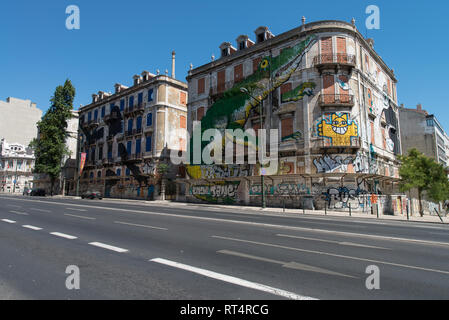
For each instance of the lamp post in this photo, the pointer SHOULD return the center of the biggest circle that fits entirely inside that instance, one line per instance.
(244, 90)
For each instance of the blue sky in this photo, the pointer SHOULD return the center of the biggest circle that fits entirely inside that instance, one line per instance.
(118, 39)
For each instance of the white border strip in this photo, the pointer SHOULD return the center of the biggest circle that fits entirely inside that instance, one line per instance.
(233, 280)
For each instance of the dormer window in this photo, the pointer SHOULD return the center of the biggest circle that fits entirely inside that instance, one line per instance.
(262, 34)
(227, 49)
(244, 42)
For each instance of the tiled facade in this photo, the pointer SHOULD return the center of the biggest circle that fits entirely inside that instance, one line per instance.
(126, 135)
(334, 102)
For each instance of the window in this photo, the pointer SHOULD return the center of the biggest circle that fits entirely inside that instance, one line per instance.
(201, 86)
(103, 111)
(149, 120)
(91, 175)
(140, 98)
(150, 95)
(138, 146)
(122, 105)
(130, 125)
(100, 153)
(221, 79)
(287, 127)
(99, 174)
(131, 102)
(89, 116)
(119, 172)
(148, 144)
(182, 122)
(109, 151)
(260, 37)
(224, 52)
(129, 145)
(242, 45)
(238, 73)
(200, 113)
(430, 123)
(139, 123)
(96, 115)
(93, 154)
(128, 172)
(183, 98)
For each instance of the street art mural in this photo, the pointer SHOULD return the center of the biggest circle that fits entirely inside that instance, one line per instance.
(338, 129)
(232, 108)
(298, 93)
(218, 171)
(297, 136)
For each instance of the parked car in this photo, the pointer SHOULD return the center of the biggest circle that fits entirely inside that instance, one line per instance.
(37, 193)
(92, 195)
(27, 191)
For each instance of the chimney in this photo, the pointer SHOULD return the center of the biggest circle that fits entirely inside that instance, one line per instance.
(419, 107)
(173, 57)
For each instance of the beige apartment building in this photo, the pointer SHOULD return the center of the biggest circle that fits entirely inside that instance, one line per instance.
(332, 99)
(127, 135)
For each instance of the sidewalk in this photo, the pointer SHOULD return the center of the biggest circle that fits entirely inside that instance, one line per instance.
(278, 212)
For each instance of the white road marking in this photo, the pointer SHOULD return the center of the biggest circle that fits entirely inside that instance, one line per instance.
(73, 209)
(140, 225)
(351, 244)
(264, 225)
(233, 280)
(41, 210)
(62, 235)
(333, 255)
(290, 265)
(108, 247)
(32, 227)
(8, 221)
(13, 206)
(19, 213)
(81, 217)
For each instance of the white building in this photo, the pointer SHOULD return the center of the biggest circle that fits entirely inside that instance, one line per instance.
(18, 120)
(16, 167)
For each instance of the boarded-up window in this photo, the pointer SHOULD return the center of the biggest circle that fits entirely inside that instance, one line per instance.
(287, 127)
(373, 142)
(384, 140)
(238, 73)
(256, 63)
(389, 87)
(341, 50)
(367, 69)
(286, 88)
(221, 79)
(183, 98)
(326, 50)
(201, 85)
(200, 113)
(329, 88)
(183, 122)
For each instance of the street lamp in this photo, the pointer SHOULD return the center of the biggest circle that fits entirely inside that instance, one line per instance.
(244, 90)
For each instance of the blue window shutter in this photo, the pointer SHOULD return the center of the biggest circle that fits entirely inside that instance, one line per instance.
(95, 114)
(139, 122)
(130, 124)
(103, 111)
(149, 120)
(122, 104)
(131, 101)
(140, 97)
(138, 145)
(150, 95)
(119, 172)
(128, 147)
(148, 144)
(89, 116)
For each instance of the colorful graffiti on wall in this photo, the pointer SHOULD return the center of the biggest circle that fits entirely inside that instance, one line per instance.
(220, 192)
(218, 171)
(338, 129)
(293, 137)
(298, 93)
(281, 189)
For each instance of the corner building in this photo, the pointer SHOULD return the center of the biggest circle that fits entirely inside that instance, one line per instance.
(333, 100)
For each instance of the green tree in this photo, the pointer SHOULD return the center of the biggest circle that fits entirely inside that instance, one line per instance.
(425, 175)
(49, 146)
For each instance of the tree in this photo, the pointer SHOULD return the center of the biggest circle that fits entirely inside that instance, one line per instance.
(49, 146)
(424, 174)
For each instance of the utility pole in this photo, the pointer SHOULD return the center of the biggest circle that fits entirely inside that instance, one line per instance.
(15, 180)
(262, 173)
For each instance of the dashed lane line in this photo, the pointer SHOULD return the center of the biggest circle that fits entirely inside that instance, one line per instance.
(108, 247)
(32, 227)
(80, 217)
(140, 225)
(63, 235)
(8, 221)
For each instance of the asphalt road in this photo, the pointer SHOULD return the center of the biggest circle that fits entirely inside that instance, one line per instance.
(186, 252)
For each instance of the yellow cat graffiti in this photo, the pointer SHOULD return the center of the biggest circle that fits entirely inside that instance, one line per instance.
(340, 130)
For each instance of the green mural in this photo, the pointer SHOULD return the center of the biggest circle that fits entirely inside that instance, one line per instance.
(232, 109)
(298, 93)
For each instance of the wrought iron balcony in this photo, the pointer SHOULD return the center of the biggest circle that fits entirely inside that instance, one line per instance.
(336, 100)
(337, 60)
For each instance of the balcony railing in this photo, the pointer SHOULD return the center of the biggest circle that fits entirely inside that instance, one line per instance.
(336, 100)
(334, 59)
